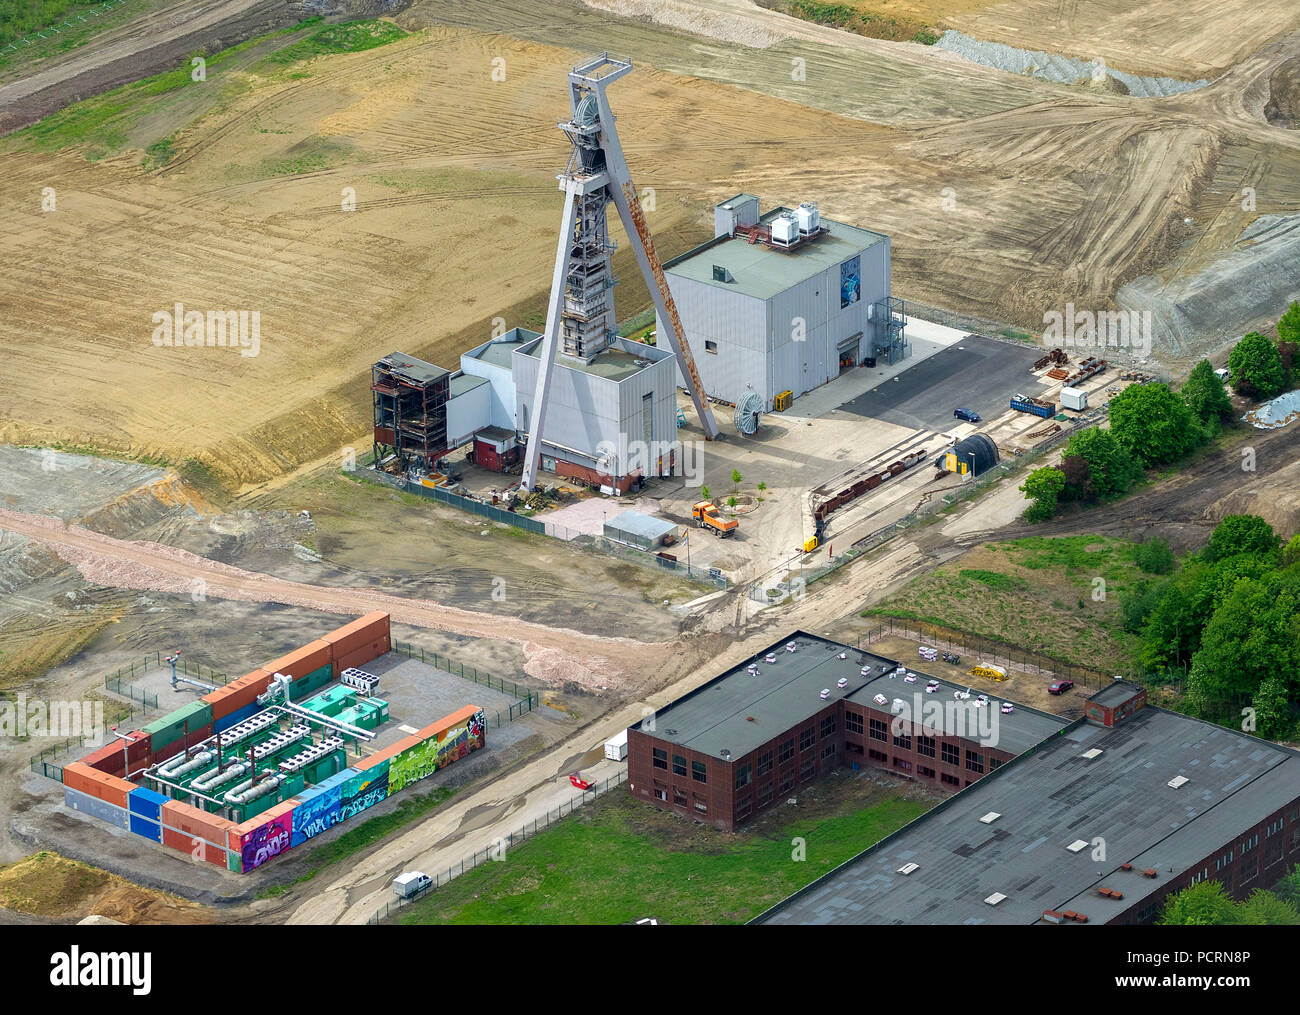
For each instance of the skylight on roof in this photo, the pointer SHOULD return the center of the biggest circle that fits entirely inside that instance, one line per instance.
(1177, 781)
(1095, 752)
(990, 817)
(995, 898)
(1077, 845)
(907, 868)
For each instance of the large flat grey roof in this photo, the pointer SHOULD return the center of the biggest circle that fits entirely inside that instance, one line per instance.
(413, 369)
(739, 712)
(762, 272)
(1115, 693)
(1047, 800)
(621, 360)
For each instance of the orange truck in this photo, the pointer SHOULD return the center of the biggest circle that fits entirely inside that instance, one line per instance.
(707, 515)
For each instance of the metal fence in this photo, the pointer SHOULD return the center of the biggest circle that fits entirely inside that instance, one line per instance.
(976, 649)
(40, 764)
(34, 37)
(118, 682)
(582, 540)
(528, 700)
(502, 845)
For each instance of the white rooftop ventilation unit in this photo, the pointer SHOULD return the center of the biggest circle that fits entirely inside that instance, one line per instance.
(995, 898)
(808, 217)
(907, 868)
(785, 230)
(1094, 753)
(1177, 781)
(990, 817)
(1077, 845)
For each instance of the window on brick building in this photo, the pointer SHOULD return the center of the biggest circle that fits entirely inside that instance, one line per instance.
(699, 771)
(679, 798)
(951, 754)
(742, 776)
(927, 772)
(903, 742)
(806, 739)
(661, 792)
(679, 765)
(828, 727)
(764, 764)
(786, 752)
(876, 755)
(853, 722)
(660, 759)
(950, 780)
(925, 745)
(974, 762)
(879, 729)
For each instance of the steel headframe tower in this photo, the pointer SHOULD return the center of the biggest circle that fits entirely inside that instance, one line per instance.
(581, 309)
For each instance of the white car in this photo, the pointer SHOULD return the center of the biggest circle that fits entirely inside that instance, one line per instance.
(1007, 708)
(931, 687)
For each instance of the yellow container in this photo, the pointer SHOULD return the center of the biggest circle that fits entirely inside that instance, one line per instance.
(782, 401)
(810, 545)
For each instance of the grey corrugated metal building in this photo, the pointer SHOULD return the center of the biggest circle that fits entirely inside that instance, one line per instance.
(777, 316)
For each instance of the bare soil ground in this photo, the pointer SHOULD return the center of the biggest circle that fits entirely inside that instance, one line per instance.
(48, 885)
(1060, 195)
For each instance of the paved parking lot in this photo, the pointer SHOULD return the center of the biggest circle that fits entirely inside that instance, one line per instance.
(976, 373)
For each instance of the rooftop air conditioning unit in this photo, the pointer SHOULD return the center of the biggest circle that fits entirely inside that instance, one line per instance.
(1177, 781)
(907, 868)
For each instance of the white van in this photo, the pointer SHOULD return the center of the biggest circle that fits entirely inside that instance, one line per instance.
(411, 883)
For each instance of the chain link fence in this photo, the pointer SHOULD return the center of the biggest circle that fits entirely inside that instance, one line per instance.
(45, 33)
(119, 682)
(528, 700)
(499, 849)
(41, 764)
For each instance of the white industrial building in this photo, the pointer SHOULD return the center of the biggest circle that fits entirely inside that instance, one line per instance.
(782, 302)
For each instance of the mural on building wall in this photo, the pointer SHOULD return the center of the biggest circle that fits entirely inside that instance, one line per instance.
(319, 814)
(266, 841)
(365, 789)
(850, 282)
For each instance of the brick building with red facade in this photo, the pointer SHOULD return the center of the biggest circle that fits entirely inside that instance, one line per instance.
(753, 735)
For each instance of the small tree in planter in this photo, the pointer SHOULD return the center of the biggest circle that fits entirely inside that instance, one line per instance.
(735, 479)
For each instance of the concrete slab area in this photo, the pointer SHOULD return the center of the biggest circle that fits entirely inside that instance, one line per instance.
(976, 373)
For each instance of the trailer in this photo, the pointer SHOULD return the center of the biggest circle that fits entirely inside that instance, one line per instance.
(1033, 406)
(1073, 398)
(616, 747)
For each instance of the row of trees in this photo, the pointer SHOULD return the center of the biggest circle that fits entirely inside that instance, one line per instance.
(1230, 619)
(1151, 426)
(1207, 904)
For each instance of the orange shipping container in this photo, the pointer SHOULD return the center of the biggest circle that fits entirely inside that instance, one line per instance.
(235, 837)
(238, 693)
(300, 662)
(362, 631)
(108, 788)
(360, 656)
(193, 821)
(110, 758)
(457, 718)
(194, 847)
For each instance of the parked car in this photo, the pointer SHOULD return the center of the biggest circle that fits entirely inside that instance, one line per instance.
(1059, 686)
(969, 415)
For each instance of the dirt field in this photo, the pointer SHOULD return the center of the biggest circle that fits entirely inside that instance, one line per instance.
(48, 885)
(247, 214)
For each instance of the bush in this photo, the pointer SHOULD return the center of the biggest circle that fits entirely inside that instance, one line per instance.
(1238, 534)
(1043, 486)
(1154, 556)
(1256, 366)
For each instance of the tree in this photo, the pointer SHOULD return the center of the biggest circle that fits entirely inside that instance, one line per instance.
(1272, 710)
(1154, 424)
(1291, 552)
(1206, 397)
(1043, 486)
(735, 479)
(1078, 478)
(1203, 904)
(1288, 343)
(706, 493)
(1256, 367)
(1253, 634)
(1136, 606)
(1154, 556)
(1266, 909)
(1288, 889)
(1237, 534)
(1112, 468)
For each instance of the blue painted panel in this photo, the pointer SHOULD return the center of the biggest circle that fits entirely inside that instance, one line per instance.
(149, 829)
(146, 803)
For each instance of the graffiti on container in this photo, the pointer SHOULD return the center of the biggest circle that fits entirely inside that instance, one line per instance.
(269, 840)
(364, 791)
(317, 815)
(437, 752)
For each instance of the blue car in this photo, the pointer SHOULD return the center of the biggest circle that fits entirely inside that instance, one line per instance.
(969, 415)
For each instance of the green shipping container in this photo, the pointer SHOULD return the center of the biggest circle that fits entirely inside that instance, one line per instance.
(171, 727)
(313, 681)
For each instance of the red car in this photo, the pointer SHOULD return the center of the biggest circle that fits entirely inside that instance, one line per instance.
(1059, 686)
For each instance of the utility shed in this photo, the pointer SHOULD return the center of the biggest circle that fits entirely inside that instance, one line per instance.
(641, 530)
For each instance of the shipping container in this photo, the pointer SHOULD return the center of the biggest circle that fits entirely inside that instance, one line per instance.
(84, 803)
(238, 694)
(373, 626)
(110, 758)
(166, 731)
(266, 836)
(457, 718)
(93, 782)
(303, 661)
(616, 747)
(194, 821)
(362, 789)
(361, 656)
(313, 681)
(235, 718)
(371, 760)
(319, 810)
(146, 803)
(176, 747)
(148, 829)
(1074, 398)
